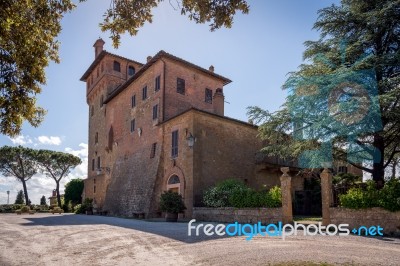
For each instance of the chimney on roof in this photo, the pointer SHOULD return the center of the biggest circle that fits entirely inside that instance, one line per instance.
(211, 68)
(98, 47)
(149, 58)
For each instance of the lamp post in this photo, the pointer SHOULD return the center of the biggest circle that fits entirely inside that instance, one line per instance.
(8, 197)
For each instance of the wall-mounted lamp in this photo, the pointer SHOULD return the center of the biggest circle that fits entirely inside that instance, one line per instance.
(191, 140)
(100, 170)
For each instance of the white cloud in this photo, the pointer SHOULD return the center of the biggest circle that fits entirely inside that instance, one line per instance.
(49, 140)
(81, 170)
(21, 140)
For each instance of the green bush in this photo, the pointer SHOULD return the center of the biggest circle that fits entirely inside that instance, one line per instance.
(345, 179)
(172, 202)
(274, 198)
(10, 208)
(25, 209)
(79, 209)
(388, 197)
(233, 193)
(250, 198)
(218, 196)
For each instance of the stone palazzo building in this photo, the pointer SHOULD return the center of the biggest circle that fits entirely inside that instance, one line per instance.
(160, 126)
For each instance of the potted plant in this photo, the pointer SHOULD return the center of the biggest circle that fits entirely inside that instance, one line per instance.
(88, 206)
(171, 203)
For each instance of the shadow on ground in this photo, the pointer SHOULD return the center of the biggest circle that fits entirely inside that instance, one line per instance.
(177, 231)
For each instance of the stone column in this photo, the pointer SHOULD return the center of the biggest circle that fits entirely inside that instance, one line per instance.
(286, 188)
(326, 195)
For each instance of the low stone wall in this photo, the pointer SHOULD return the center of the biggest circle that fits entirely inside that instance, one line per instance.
(389, 221)
(229, 215)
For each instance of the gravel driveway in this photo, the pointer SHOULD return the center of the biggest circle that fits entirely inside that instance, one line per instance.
(46, 239)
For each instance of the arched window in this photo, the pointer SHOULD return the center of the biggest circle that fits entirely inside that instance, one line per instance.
(174, 184)
(117, 66)
(131, 71)
(173, 180)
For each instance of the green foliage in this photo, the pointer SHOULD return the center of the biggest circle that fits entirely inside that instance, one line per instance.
(368, 28)
(129, 16)
(233, 193)
(73, 191)
(10, 208)
(345, 179)
(43, 200)
(79, 209)
(20, 198)
(218, 196)
(28, 31)
(25, 209)
(388, 197)
(250, 198)
(274, 197)
(171, 202)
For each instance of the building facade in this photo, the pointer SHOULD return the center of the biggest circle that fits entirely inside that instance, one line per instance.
(160, 126)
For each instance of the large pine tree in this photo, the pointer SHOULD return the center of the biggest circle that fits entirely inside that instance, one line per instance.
(345, 98)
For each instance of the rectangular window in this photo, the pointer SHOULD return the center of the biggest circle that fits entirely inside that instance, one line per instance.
(117, 66)
(133, 101)
(155, 111)
(144, 93)
(153, 150)
(132, 125)
(94, 189)
(208, 96)
(174, 150)
(180, 86)
(98, 163)
(93, 164)
(157, 86)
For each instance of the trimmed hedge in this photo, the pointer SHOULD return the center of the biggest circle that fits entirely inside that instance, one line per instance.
(233, 193)
(387, 198)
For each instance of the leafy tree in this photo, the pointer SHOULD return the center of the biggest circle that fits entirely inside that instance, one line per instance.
(327, 90)
(73, 191)
(57, 165)
(28, 31)
(20, 163)
(129, 16)
(20, 198)
(43, 200)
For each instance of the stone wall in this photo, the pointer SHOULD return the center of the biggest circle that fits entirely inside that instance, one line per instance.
(389, 221)
(229, 215)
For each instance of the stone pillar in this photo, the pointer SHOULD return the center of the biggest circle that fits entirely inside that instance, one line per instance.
(326, 195)
(286, 188)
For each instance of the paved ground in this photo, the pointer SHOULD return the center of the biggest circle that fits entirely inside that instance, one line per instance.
(44, 239)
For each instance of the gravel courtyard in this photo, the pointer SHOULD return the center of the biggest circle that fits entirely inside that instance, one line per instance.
(46, 239)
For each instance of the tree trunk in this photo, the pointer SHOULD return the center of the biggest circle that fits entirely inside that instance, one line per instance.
(378, 171)
(58, 194)
(395, 163)
(25, 191)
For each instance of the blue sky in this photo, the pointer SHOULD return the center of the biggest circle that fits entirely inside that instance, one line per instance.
(256, 54)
